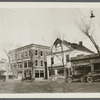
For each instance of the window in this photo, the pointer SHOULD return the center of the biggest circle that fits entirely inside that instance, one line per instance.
(25, 53)
(35, 52)
(36, 62)
(36, 73)
(22, 54)
(41, 53)
(29, 63)
(41, 73)
(67, 58)
(41, 62)
(20, 65)
(52, 60)
(29, 52)
(18, 55)
(25, 64)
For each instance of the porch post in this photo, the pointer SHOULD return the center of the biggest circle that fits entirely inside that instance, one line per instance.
(55, 71)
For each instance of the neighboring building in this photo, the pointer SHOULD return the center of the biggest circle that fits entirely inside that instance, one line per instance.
(87, 62)
(62, 52)
(20, 61)
(4, 69)
(2, 66)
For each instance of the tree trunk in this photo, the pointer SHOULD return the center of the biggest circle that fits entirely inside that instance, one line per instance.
(94, 43)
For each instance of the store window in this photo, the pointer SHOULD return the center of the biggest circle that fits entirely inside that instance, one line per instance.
(41, 73)
(25, 64)
(36, 73)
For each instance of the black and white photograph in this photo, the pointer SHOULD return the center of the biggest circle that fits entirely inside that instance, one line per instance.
(49, 49)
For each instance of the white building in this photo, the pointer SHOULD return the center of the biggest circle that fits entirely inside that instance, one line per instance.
(62, 51)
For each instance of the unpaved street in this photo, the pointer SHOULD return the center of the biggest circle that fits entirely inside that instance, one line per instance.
(49, 87)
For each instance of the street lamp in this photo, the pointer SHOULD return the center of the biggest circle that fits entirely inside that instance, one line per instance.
(92, 16)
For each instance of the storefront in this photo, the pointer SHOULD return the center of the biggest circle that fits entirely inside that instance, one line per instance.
(39, 73)
(87, 63)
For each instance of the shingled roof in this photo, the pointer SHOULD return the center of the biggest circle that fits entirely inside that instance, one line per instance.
(79, 46)
(73, 45)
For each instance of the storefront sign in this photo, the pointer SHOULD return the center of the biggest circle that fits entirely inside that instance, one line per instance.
(95, 60)
(82, 61)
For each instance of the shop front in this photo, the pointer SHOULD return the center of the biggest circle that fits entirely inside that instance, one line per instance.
(39, 74)
(87, 63)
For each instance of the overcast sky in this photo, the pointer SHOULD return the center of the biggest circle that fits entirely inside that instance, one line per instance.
(22, 26)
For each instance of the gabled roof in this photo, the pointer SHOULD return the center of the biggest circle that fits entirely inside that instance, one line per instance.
(73, 45)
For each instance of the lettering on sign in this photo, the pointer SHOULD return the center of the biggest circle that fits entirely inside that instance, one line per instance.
(83, 61)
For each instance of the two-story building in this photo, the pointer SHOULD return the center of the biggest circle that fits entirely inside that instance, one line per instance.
(22, 57)
(61, 53)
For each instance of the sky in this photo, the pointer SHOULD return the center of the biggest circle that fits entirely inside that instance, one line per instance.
(23, 26)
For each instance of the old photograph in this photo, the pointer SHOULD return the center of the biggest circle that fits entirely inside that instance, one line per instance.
(49, 49)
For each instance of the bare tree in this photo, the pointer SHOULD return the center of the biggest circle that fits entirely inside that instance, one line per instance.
(6, 48)
(9, 63)
(33, 61)
(32, 64)
(87, 29)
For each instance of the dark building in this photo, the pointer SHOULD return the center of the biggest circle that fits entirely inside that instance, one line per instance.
(87, 62)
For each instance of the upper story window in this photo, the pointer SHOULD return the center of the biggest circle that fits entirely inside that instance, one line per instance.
(41, 62)
(29, 63)
(22, 54)
(29, 52)
(36, 52)
(18, 55)
(41, 53)
(21, 65)
(52, 60)
(36, 62)
(67, 58)
(25, 53)
(25, 64)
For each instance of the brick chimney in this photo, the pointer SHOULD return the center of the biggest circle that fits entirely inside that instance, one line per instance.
(81, 43)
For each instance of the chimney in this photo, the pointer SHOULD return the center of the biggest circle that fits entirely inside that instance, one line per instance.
(81, 43)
